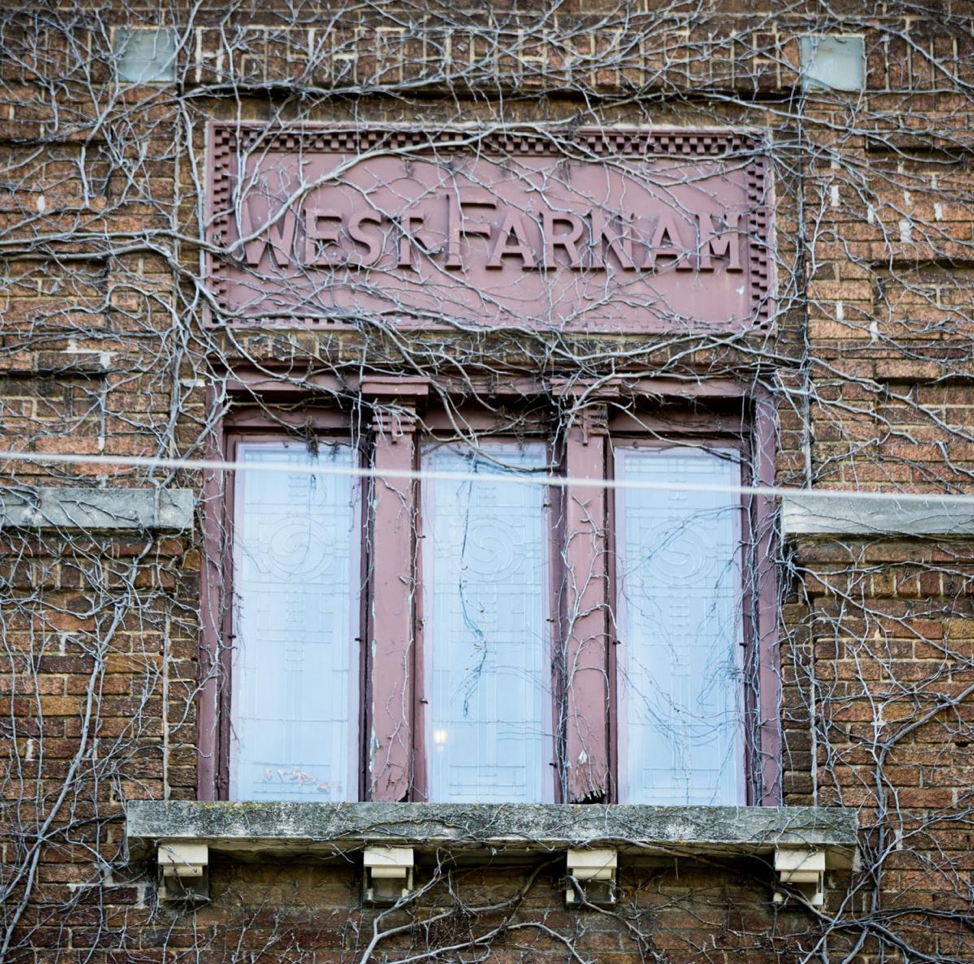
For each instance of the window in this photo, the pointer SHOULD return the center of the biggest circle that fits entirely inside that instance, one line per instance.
(486, 628)
(680, 617)
(468, 637)
(294, 700)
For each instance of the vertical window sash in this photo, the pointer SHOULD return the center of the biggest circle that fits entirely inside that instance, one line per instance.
(486, 607)
(294, 693)
(680, 704)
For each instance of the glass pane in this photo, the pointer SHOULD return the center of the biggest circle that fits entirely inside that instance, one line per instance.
(485, 556)
(292, 699)
(679, 615)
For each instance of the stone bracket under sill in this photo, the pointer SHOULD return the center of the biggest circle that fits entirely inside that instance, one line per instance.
(800, 842)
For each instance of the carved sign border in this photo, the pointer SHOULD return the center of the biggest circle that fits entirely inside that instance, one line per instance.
(227, 139)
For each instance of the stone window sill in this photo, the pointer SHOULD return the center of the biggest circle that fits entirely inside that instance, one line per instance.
(490, 829)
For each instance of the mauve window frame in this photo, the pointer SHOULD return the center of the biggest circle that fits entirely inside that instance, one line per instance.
(754, 415)
(751, 430)
(246, 424)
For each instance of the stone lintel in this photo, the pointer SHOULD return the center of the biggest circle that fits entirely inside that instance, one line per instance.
(816, 515)
(105, 510)
(291, 828)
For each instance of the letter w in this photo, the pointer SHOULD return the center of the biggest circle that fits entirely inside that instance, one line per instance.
(262, 227)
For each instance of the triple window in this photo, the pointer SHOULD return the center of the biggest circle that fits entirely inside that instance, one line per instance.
(571, 614)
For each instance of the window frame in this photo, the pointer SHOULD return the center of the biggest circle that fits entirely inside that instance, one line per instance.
(232, 401)
(754, 434)
(706, 442)
(423, 644)
(230, 669)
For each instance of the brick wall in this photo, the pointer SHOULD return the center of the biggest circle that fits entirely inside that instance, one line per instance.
(104, 352)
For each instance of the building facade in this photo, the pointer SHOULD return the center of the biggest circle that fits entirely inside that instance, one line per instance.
(487, 483)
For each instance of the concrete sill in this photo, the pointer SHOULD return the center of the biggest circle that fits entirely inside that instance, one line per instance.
(484, 830)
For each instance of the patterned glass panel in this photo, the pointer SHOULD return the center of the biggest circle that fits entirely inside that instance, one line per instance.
(292, 697)
(680, 629)
(489, 730)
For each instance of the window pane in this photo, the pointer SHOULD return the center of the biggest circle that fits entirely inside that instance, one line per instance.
(679, 613)
(292, 698)
(488, 672)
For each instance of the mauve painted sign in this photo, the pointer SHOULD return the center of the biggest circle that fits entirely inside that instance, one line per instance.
(592, 231)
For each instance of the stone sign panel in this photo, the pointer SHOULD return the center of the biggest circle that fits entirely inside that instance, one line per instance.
(611, 230)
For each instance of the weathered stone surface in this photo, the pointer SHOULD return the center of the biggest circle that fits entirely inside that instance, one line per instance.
(290, 827)
(816, 514)
(115, 509)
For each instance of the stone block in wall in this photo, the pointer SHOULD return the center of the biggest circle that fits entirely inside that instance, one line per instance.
(824, 514)
(103, 510)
